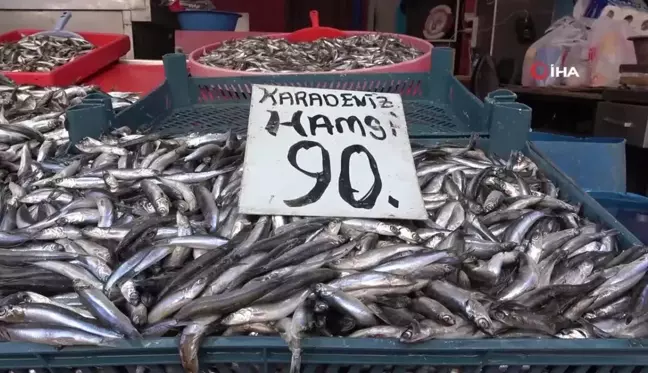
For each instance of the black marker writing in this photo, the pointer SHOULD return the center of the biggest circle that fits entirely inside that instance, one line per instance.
(345, 189)
(269, 95)
(323, 178)
(274, 122)
(278, 96)
(319, 123)
(368, 201)
(374, 124)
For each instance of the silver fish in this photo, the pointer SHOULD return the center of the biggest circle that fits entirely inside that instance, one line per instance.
(263, 54)
(142, 233)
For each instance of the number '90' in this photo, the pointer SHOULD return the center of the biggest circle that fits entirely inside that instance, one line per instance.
(323, 178)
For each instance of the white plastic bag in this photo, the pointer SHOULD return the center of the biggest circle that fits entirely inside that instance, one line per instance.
(609, 48)
(551, 50)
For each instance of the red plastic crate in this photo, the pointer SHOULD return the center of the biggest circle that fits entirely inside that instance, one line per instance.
(108, 49)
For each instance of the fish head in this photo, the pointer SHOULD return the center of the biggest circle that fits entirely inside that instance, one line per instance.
(447, 318)
(102, 202)
(505, 316)
(198, 285)
(415, 333)
(347, 324)
(390, 228)
(24, 297)
(484, 323)
(447, 268)
(79, 284)
(132, 295)
(574, 333)
(321, 289)
(53, 247)
(470, 261)
(110, 180)
(182, 206)
(55, 181)
(62, 221)
(94, 232)
(479, 316)
(12, 313)
(163, 206)
(240, 317)
(320, 306)
(489, 206)
(334, 226)
(149, 234)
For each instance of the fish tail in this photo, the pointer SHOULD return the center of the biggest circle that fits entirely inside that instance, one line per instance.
(295, 360)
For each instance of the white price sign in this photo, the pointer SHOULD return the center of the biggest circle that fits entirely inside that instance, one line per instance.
(324, 152)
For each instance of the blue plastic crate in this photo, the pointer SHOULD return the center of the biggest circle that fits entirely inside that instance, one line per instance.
(436, 104)
(595, 163)
(348, 355)
(629, 208)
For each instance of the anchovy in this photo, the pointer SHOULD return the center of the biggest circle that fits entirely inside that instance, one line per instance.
(140, 235)
(263, 54)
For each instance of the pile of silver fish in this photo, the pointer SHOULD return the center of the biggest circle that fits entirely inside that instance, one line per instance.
(41, 53)
(35, 116)
(263, 54)
(139, 236)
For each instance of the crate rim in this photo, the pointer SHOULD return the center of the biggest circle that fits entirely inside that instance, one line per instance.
(352, 345)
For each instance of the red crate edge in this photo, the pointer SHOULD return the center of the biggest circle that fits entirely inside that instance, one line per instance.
(109, 48)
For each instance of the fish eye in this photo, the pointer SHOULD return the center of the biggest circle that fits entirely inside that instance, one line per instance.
(483, 323)
(407, 334)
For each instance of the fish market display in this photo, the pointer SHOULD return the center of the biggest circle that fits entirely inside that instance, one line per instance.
(139, 236)
(263, 54)
(41, 53)
(34, 116)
